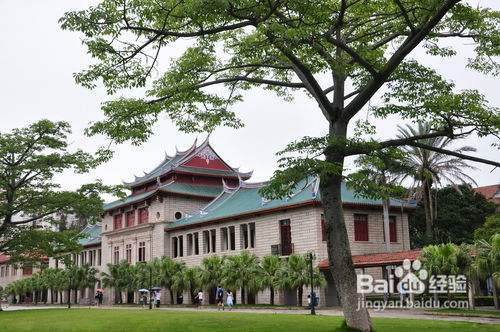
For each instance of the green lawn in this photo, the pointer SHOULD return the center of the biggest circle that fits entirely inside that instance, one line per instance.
(53, 320)
(469, 313)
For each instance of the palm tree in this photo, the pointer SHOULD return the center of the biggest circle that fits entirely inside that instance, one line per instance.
(212, 272)
(242, 271)
(167, 269)
(270, 277)
(192, 277)
(120, 277)
(294, 274)
(441, 259)
(433, 168)
(487, 263)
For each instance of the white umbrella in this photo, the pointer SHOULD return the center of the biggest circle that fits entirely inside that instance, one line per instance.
(143, 290)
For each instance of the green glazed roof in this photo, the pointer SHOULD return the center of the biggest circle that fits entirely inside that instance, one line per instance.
(92, 235)
(171, 187)
(247, 199)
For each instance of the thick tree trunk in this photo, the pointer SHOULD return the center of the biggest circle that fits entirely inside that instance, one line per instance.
(171, 296)
(300, 292)
(429, 234)
(69, 298)
(271, 296)
(339, 252)
(471, 293)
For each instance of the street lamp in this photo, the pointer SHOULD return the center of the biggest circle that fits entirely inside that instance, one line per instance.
(312, 296)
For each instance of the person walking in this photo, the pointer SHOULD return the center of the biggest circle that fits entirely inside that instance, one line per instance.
(229, 299)
(219, 295)
(158, 298)
(199, 299)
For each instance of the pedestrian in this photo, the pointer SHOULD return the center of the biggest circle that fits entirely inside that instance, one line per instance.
(96, 297)
(158, 298)
(229, 299)
(199, 299)
(144, 299)
(219, 295)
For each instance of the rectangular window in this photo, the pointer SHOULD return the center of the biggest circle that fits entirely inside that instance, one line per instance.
(360, 227)
(232, 238)
(181, 246)
(143, 215)
(128, 253)
(175, 253)
(189, 240)
(117, 221)
(251, 232)
(286, 237)
(7, 271)
(99, 253)
(142, 252)
(323, 228)
(2, 269)
(244, 236)
(196, 244)
(130, 216)
(224, 240)
(116, 255)
(27, 270)
(392, 229)
(14, 271)
(206, 242)
(212, 233)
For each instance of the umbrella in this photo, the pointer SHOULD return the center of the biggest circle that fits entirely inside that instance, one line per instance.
(156, 289)
(142, 290)
(100, 290)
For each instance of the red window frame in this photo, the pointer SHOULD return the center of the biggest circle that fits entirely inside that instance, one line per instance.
(361, 227)
(143, 215)
(323, 228)
(130, 218)
(27, 270)
(117, 221)
(393, 234)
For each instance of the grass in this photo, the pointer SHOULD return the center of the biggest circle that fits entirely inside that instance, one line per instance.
(468, 312)
(109, 320)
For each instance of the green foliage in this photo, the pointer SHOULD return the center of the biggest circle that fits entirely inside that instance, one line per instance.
(460, 212)
(30, 158)
(490, 227)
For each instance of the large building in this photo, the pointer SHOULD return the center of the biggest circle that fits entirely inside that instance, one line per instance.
(193, 205)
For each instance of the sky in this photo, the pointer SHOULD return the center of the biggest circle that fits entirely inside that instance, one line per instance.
(38, 60)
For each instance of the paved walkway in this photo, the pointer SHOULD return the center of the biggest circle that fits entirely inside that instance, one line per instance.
(388, 313)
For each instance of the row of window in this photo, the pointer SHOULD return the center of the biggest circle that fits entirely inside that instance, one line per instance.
(361, 228)
(209, 241)
(141, 253)
(90, 257)
(130, 218)
(11, 271)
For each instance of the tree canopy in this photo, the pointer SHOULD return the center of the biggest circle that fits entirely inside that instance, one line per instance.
(459, 212)
(30, 158)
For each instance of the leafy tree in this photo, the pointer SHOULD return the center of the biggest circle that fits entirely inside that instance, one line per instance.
(120, 277)
(340, 52)
(212, 272)
(490, 227)
(432, 168)
(270, 276)
(192, 277)
(487, 263)
(30, 157)
(242, 272)
(460, 211)
(440, 259)
(168, 269)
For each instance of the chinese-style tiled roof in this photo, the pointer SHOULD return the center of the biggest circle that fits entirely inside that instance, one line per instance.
(185, 162)
(488, 192)
(4, 258)
(246, 199)
(171, 187)
(92, 235)
(378, 259)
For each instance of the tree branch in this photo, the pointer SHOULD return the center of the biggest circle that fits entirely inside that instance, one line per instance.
(408, 45)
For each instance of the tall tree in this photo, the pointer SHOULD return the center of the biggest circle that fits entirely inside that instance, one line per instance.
(487, 263)
(432, 168)
(30, 157)
(242, 272)
(270, 276)
(339, 52)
